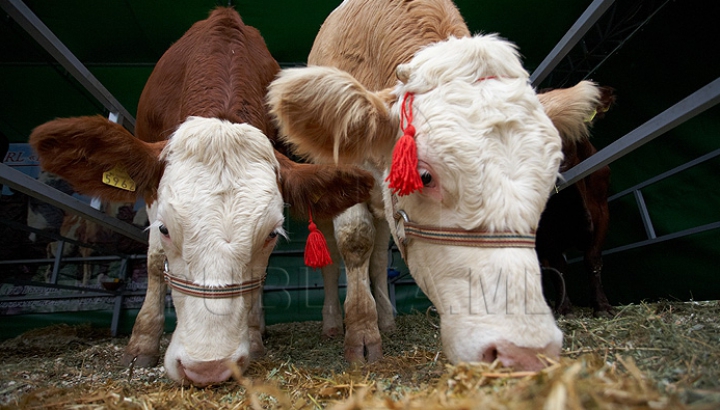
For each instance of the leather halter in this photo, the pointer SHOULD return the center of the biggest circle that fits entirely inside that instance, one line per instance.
(210, 292)
(477, 238)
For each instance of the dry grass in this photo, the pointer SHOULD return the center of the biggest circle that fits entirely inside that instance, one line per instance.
(650, 356)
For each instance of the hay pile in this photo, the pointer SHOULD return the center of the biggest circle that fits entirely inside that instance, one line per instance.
(650, 356)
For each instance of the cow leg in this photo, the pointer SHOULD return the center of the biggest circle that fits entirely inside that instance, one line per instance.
(355, 233)
(144, 346)
(378, 276)
(557, 261)
(332, 322)
(256, 323)
(50, 250)
(597, 207)
(87, 268)
(601, 305)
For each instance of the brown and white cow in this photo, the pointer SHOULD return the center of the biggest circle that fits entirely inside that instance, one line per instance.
(488, 157)
(578, 216)
(216, 187)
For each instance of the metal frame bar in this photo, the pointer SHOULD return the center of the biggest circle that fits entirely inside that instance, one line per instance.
(32, 187)
(687, 108)
(42, 34)
(652, 237)
(117, 306)
(576, 32)
(634, 29)
(620, 22)
(659, 239)
(56, 237)
(645, 215)
(667, 174)
(647, 223)
(57, 262)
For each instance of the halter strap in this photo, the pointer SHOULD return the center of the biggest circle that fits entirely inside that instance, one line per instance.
(461, 237)
(490, 77)
(208, 292)
(477, 238)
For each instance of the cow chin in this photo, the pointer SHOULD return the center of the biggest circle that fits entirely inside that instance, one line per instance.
(211, 341)
(183, 368)
(516, 341)
(493, 310)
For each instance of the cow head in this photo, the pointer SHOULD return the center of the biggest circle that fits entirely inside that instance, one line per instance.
(217, 191)
(488, 157)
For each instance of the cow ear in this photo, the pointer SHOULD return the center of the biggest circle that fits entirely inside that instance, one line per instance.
(572, 109)
(82, 150)
(324, 189)
(327, 115)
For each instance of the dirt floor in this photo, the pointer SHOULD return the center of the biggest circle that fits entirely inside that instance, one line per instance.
(649, 356)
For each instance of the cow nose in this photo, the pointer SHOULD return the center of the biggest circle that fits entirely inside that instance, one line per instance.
(205, 373)
(519, 358)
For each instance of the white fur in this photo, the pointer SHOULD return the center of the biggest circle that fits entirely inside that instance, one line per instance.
(219, 199)
(494, 155)
(494, 150)
(463, 59)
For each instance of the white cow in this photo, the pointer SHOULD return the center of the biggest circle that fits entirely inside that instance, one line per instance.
(466, 213)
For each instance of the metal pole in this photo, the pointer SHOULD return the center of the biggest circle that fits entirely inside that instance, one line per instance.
(42, 34)
(689, 107)
(30, 186)
(576, 32)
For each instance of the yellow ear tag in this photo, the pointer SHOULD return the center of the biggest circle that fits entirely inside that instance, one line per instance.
(591, 117)
(119, 178)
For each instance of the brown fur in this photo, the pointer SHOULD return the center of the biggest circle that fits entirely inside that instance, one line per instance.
(343, 95)
(399, 29)
(220, 68)
(347, 110)
(577, 217)
(565, 105)
(306, 187)
(81, 149)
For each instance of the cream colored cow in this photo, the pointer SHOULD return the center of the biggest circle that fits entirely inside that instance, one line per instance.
(487, 159)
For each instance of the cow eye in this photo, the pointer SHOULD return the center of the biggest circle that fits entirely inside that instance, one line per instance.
(426, 178)
(164, 230)
(271, 237)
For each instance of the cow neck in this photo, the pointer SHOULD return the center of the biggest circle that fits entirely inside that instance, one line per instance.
(478, 238)
(210, 292)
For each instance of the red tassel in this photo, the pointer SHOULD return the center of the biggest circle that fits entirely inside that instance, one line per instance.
(316, 250)
(404, 178)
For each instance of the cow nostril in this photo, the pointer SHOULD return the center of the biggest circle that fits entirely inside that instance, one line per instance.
(490, 354)
(519, 358)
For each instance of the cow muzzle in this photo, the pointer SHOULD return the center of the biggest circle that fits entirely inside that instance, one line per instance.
(204, 373)
(520, 358)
